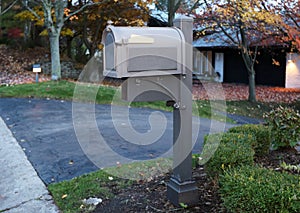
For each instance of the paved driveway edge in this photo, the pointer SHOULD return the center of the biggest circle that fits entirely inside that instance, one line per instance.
(21, 189)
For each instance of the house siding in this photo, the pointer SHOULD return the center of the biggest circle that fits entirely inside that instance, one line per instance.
(293, 71)
(267, 72)
(234, 67)
(270, 69)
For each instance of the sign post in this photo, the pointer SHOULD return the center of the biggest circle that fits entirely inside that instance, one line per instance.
(36, 69)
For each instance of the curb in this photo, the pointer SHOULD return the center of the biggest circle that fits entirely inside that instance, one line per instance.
(21, 189)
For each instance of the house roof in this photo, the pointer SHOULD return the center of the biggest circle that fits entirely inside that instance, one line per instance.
(220, 40)
(212, 40)
(215, 39)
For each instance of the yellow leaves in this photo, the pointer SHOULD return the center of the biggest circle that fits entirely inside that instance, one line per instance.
(223, 166)
(64, 32)
(93, 16)
(64, 196)
(67, 32)
(44, 33)
(100, 46)
(25, 15)
(39, 22)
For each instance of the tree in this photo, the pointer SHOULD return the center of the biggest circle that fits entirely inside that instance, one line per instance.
(171, 7)
(54, 14)
(289, 10)
(89, 26)
(245, 24)
(53, 17)
(5, 6)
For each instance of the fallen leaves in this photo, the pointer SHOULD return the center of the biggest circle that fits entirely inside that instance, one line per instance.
(16, 65)
(16, 68)
(237, 92)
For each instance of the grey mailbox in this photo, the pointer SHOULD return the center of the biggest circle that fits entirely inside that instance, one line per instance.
(158, 62)
(143, 51)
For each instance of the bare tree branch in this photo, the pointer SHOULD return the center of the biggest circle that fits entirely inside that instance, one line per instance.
(83, 8)
(8, 8)
(25, 4)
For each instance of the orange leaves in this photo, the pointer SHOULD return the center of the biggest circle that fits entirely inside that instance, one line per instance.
(247, 12)
(275, 62)
(67, 13)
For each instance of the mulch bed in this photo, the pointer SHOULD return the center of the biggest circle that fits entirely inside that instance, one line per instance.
(151, 196)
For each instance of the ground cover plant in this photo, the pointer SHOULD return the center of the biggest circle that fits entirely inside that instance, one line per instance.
(284, 122)
(229, 150)
(262, 136)
(256, 189)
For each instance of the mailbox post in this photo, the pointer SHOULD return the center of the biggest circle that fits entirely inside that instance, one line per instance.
(158, 65)
(181, 188)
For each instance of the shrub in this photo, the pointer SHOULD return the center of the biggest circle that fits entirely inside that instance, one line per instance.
(254, 189)
(231, 150)
(261, 133)
(284, 123)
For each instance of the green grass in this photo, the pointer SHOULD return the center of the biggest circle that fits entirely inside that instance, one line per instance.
(68, 195)
(141, 170)
(107, 95)
(246, 108)
(92, 93)
(51, 89)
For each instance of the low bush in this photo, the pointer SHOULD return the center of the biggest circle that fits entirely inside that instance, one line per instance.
(226, 151)
(255, 189)
(284, 123)
(261, 133)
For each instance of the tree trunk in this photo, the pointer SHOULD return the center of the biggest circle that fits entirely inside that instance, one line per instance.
(55, 57)
(252, 93)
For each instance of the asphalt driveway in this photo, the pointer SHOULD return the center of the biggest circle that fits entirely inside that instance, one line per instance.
(45, 131)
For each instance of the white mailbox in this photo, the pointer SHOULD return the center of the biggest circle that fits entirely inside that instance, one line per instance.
(143, 51)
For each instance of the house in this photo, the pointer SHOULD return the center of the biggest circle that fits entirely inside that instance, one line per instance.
(214, 58)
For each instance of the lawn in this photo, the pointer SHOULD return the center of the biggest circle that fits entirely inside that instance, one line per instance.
(106, 95)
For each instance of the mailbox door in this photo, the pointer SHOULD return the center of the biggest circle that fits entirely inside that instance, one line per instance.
(109, 55)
